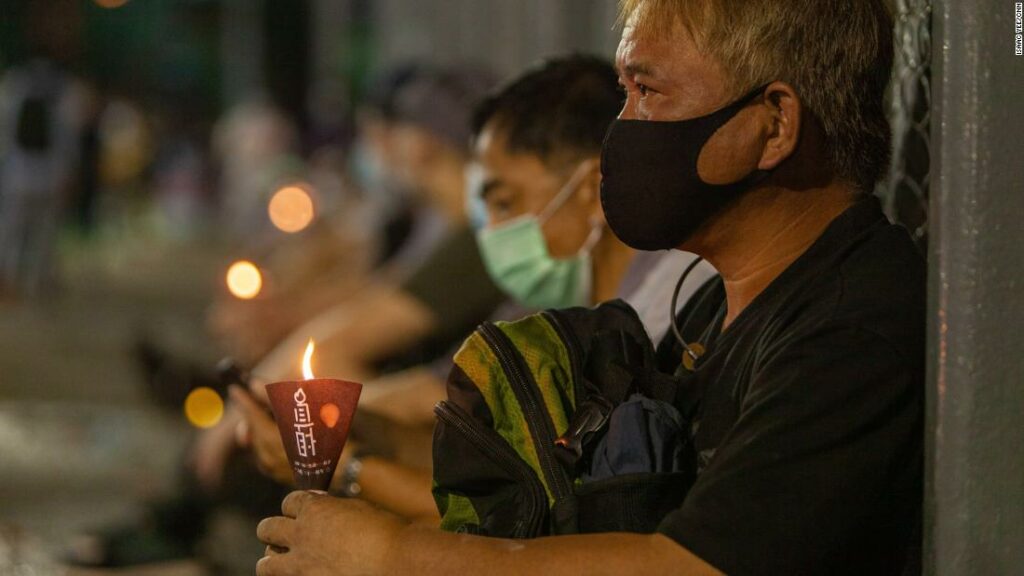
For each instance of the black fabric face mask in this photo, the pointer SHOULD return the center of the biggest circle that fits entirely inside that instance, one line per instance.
(652, 195)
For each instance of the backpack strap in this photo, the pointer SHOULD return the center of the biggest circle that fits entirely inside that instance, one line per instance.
(611, 373)
(612, 363)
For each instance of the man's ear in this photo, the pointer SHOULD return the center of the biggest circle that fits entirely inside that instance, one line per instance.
(784, 136)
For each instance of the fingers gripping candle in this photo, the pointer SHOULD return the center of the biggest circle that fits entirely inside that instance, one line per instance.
(314, 416)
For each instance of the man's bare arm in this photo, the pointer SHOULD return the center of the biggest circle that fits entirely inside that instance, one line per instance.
(380, 321)
(323, 536)
(401, 489)
(426, 551)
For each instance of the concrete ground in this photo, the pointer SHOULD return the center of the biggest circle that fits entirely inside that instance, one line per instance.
(81, 445)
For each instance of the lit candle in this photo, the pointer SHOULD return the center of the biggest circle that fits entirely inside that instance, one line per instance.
(314, 416)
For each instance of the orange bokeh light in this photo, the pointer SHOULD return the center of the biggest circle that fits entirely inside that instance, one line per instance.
(291, 209)
(244, 280)
(204, 407)
(110, 3)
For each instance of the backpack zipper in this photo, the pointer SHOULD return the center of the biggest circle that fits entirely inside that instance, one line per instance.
(542, 429)
(503, 455)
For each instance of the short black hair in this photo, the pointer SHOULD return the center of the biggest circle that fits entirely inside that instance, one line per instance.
(559, 109)
(385, 87)
(442, 101)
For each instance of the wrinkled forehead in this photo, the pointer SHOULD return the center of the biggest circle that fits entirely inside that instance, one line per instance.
(670, 55)
(665, 19)
(641, 53)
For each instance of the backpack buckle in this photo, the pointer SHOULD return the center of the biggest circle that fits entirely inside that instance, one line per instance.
(590, 417)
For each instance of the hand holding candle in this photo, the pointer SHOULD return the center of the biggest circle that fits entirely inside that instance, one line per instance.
(314, 417)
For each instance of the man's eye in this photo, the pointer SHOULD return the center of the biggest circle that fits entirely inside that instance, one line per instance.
(499, 207)
(642, 89)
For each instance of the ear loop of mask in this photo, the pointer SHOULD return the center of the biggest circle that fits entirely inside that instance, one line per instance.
(563, 195)
(596, 231)
(570, 187)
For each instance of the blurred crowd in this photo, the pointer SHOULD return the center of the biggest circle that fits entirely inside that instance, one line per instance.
(366, 243)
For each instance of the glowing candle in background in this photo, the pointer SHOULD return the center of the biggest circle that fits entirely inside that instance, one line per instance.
(204, 407)
(244, 280)
(291, 209)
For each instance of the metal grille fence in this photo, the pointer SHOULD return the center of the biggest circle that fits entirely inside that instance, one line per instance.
(905, 191)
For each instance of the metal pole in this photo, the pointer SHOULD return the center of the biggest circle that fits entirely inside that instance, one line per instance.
(974, 502)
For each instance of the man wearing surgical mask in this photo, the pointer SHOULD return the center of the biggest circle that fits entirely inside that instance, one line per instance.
(545, 244)
(545, 240)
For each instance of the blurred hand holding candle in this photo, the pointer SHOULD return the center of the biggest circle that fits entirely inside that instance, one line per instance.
(314, 417)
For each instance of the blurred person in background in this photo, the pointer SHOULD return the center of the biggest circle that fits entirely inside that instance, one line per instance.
(254, 144)
(42, 109)
(126, 144)
(537, 142)
(390, 324)
(88, 189)
(387, 318)
(181, 193)
(362, 215)
(405, 227)
(368, 222)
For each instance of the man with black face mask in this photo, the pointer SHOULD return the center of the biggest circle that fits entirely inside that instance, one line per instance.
(752, 134)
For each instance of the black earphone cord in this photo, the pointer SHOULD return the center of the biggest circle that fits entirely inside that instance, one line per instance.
(672, 313)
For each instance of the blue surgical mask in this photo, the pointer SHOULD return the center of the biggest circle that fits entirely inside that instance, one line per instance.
(383, 191)
(517, 257)
(476, 208)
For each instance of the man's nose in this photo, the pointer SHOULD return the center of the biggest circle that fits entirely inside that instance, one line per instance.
(628, 111)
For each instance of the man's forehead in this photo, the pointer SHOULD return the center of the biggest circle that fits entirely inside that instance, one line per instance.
(492, 147)
(647, 53)
(484, 140)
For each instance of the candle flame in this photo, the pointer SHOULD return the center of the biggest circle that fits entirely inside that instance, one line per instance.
(307, 370)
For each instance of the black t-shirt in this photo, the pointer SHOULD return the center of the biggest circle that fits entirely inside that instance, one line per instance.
(455, 286)
(809, 430)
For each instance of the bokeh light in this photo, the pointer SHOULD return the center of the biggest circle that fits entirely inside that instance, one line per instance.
(291, 209)
(110, 3)
(244, 280)
(204, 407)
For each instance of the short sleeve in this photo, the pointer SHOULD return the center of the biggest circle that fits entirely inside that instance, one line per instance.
(454, 285)
(821, 472)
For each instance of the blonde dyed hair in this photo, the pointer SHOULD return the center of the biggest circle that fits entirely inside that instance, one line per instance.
(836, 54)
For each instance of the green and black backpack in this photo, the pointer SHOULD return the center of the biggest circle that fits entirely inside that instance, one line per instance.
(560, 423)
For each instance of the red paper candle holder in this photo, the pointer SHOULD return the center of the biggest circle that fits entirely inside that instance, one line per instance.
(314, 418)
